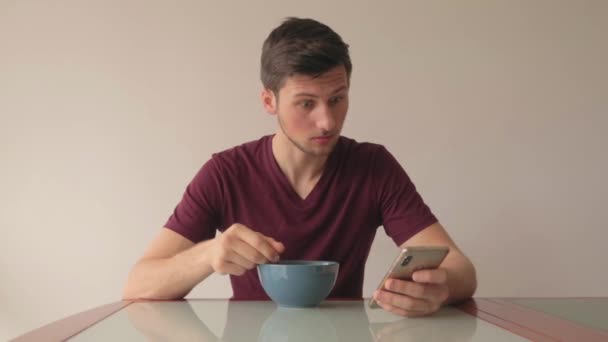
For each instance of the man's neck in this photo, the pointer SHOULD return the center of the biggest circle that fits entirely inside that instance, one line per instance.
(299, 167)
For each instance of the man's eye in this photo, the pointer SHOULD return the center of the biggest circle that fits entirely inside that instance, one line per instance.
(306, 104)
(336, 99)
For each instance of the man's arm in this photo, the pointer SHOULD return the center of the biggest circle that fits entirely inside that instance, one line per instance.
(169, 269)
(461, 276)
(173, 265)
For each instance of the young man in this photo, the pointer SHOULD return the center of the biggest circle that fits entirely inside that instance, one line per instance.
(303, 193)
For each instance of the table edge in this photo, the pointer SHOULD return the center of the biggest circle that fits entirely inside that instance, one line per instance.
(65, 328)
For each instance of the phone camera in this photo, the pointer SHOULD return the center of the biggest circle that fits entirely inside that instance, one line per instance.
(406, 260)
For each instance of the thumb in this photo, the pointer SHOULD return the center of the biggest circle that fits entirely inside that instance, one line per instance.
(278, 246)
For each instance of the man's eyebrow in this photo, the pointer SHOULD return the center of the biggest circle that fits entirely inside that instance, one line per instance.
(339, 89)
(313, 95)
(305, 94)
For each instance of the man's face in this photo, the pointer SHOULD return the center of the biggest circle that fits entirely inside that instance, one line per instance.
(311, 111)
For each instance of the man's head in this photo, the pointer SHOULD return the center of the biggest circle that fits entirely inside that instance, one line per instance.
(306, 72)
(301, 46)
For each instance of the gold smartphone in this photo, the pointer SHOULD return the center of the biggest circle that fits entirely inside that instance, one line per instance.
(412, 259)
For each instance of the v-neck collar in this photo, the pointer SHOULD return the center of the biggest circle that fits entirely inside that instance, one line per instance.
(286, 187)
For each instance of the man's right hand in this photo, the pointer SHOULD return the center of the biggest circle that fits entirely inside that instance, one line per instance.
(173, 265)
(239, 249)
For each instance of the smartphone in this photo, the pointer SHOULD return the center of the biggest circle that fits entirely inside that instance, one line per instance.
(412, 259)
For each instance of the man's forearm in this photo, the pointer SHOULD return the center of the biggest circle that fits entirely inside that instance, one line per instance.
(462, 279)
(168, 278)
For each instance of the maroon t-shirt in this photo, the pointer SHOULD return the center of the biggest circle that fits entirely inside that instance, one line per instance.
(362, 187)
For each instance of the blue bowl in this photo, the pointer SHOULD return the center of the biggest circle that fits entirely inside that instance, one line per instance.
(298, 283)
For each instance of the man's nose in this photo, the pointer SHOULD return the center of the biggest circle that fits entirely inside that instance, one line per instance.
(325, 119)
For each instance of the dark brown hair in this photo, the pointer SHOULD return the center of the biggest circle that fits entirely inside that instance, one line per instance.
(301, 46)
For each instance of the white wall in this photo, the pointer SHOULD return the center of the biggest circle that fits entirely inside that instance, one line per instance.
(497, 110)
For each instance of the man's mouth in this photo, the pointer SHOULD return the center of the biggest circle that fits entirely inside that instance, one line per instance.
(322, 139)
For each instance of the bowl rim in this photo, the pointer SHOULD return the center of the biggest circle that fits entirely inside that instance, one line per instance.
(300, 263)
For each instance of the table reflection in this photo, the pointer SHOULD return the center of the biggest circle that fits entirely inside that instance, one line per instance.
(168, 321)
(298, 325)
(264, 321)
(331, 321)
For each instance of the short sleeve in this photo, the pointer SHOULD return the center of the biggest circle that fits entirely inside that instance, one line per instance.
(196, 216)
(402, 209)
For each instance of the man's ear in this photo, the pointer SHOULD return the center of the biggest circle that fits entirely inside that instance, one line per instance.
(269, 101)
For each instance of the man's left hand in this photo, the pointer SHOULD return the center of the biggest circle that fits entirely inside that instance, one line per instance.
(422, 296)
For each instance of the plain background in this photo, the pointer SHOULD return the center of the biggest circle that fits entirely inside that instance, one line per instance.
(496, 109)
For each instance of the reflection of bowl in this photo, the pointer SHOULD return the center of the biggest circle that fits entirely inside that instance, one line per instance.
(298, 283)
(293, 325)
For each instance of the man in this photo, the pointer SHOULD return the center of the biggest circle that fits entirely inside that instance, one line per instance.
(302, 193)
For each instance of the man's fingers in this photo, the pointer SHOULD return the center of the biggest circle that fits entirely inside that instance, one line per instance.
(278, 246)
(258, 242)
(434, 276)
(240, 260)
(248, 252)
(399, 311)
(402, 301)
(413, 289)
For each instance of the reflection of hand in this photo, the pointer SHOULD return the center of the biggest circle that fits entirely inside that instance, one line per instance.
(168, 321)
(448, 324)
(420, 297)
(396, 331)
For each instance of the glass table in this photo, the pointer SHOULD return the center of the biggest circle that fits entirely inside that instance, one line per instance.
(481, 319)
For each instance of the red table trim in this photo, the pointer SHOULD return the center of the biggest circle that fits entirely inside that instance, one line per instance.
(531, 323)
(472, 307)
